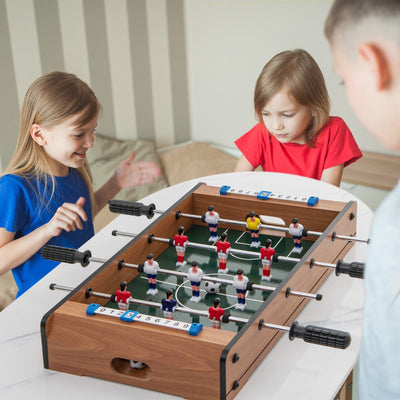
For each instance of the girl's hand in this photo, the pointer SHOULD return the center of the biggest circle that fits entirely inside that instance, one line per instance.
(129, 174)
(68, 217)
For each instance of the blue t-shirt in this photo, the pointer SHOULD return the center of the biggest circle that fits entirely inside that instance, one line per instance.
(379, 374)
(25, 206)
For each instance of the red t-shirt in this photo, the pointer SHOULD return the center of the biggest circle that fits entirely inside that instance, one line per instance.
(222, 247)
(179, 240)
(334, 145)
(122, 296)
(267, 253)
(216, 313)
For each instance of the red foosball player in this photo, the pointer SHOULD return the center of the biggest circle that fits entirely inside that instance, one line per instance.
(215, 313)
(211, 217)
(168, 305)
(253, 225)
(180, 241)
(240, 283)
(266, 253)
(296, 230)
(150, 268)
(195, 275)
(223, 248)
(123, 296)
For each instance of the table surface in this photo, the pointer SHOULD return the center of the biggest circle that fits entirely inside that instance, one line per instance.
(292, 370)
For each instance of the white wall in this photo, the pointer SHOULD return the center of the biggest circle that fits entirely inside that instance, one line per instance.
(228, 43)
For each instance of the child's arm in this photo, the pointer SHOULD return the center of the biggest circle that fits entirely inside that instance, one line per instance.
(243, 165)
(127, 174)
(333, 175)
(14, 252)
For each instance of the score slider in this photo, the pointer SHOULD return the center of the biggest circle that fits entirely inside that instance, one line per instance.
(130, 316)
(264, 195)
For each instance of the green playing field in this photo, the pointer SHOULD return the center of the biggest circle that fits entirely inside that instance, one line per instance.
(208, 262)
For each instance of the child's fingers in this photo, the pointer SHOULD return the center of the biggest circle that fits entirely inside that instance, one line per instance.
(149, 171)
(130, 158)
(81, 201)
(77, 209)
(69, 216)
(67, 219)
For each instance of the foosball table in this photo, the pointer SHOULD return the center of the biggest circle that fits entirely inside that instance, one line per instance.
(87, 334)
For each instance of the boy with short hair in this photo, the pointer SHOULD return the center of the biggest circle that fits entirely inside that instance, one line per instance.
(364, 36)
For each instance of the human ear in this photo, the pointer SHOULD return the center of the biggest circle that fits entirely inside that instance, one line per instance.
(377, 63)
(37, 134)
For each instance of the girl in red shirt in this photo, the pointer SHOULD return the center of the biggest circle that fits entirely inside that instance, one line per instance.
(295, 134)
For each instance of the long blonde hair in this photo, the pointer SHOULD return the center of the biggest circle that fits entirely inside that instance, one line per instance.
(298, 73)
(49, 101)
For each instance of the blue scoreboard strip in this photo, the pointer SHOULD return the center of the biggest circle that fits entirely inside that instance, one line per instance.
(264, 195)
(130, 316)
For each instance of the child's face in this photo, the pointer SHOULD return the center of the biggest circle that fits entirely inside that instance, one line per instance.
(373, 106)
(66, 144)
(286, 119)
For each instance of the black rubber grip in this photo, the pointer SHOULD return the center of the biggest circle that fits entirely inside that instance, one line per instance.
(66, 254)
(249, 285)
(354, 269)
(321, 336)
(131, 208)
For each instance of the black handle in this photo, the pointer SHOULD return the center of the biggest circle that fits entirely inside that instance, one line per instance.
(66, 254)
(131, 208)
(354, 269)
(318, 335)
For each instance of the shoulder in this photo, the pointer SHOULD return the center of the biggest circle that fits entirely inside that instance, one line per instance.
(11, 179)
(15, 185)
(335, 127)
(257, 133)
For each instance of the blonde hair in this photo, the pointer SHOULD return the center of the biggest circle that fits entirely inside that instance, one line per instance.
(50, 100)
(298, 73)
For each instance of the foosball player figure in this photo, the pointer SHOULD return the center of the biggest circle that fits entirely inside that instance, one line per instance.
(195, 275)
(296, 230)
(168, 305)
(266, 253)
(240, 284)
(215, 313)
(180, 241)
(150, 268)
(211, 217)
(223, 248)
(253, 225)
(136, 364)
(122, 296)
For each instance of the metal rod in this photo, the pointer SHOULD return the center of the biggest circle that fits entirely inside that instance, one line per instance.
(273, 326)
(271, 227)
(185, 310)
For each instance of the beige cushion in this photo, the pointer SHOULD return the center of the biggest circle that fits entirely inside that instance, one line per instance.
(195, 160)
(8, 289)
(107, 153)
(104, 157)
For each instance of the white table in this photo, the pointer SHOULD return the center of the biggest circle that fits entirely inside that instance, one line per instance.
(292, 370)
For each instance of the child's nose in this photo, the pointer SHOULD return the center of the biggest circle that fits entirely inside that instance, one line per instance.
(277, 124)
(89, 140)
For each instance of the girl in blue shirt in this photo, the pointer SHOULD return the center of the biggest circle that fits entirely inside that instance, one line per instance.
(46, 193)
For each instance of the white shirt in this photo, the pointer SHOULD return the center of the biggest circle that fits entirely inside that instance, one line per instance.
(379, 374)
(296, 231)
(212, 219)
(195, 276)
(241, 285)
(151, 269)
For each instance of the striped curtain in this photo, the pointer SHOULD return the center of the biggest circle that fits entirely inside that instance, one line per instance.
(131, 52)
